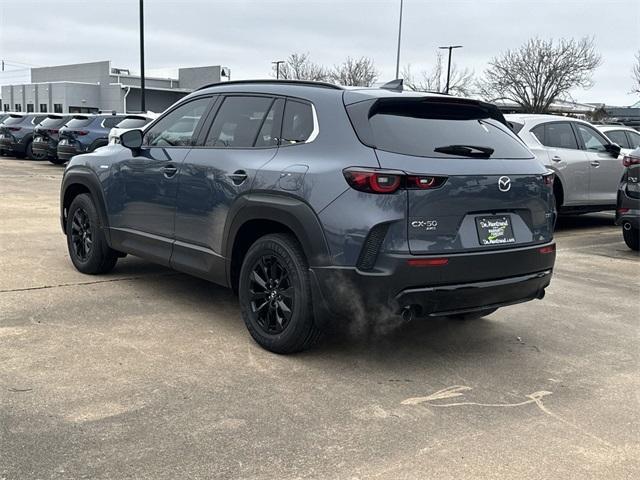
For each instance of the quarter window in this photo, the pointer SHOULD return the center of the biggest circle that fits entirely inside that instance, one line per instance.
(176, 129)
(239, 121)
(559, 135)
(297, 125)
(592, 140)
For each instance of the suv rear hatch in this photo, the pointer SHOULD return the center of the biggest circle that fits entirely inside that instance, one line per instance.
(471, 184)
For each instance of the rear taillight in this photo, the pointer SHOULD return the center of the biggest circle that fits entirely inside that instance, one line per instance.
(52, 131)
(622, 211)
(14, 129)
(548, 179)
(628, 160)
(80, 132)
(547, 249)
(389, 181)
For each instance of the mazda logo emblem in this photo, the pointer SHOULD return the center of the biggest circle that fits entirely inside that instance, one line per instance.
(504, 184)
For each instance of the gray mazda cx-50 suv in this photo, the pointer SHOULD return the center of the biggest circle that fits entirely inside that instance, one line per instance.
(315, 202)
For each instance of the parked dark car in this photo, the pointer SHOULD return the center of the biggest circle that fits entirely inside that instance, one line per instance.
(46, 134)
(16, 134)
(85, 133)
(628, 209)
(317, 203)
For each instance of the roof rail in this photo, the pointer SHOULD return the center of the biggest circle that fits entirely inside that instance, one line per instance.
(306, 83)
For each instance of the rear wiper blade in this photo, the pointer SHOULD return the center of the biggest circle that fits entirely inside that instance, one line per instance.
(466, 150)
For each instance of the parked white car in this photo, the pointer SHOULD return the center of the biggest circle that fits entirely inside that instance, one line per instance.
(131, 122)
(627, 137)
(585, 161)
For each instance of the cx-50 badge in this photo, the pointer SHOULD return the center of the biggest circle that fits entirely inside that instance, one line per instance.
(504, 184)
(426, 224)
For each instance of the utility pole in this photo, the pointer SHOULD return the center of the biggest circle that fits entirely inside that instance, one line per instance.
(449, 47)
(277, 63)
(399, 38)
(143, 106)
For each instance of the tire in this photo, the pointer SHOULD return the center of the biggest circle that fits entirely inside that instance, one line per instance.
(274, 280)
(57, 161)
(632, 238)
(473, 315)
(31, 155)
(86, 241)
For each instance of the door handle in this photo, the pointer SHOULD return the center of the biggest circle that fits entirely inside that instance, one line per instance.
(169, 171)
(238, 177)
(595, 163)
(556, 158)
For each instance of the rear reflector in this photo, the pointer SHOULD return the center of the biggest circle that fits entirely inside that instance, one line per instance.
(427, 262)
(547, 249)
(622, 211)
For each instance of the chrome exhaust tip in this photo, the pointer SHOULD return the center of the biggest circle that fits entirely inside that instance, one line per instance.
(541, 294)
(626, 226)
(407, 313)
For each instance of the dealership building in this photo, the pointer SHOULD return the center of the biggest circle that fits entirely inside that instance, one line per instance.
(96, 86)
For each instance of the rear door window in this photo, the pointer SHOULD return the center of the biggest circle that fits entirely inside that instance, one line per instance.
(239, 121)
(618, 136)
(441, 129)
(559, 135)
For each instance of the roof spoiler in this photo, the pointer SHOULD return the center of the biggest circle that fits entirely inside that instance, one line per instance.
(394, 85)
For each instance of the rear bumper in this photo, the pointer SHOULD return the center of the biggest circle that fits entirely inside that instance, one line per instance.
(13, 146)
(45, 148)
(65, 152)
(468, 282)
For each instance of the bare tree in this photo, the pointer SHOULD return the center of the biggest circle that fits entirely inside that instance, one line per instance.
(299, 66)
(460, 81)
(636, 74)
(357, 72)
(539, 72)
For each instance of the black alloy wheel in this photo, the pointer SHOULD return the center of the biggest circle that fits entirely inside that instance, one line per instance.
(275, 295)
(272, 295)
(81, 237)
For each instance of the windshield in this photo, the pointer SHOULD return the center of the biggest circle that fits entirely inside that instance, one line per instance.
(133, 122)
(79, 122)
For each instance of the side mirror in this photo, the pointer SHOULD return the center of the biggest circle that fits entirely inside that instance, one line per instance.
(613, 149)
(131, 139)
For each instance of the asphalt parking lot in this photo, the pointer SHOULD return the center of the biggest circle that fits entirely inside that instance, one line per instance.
(147, 373)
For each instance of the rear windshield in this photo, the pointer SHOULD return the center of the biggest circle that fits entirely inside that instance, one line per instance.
(133, 122)
(13, 120)
(440, 128)
(51, 122)
(79, 122)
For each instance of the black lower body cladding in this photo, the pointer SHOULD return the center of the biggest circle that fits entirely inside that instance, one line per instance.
(65, 152)
(435, 285)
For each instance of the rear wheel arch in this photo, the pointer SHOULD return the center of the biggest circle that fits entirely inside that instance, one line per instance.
(254, 216)
(558, 192)
(100, 142)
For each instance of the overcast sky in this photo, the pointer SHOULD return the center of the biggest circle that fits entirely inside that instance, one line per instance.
(246, 35)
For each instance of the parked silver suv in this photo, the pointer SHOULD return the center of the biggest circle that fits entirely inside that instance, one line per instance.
(586, 162)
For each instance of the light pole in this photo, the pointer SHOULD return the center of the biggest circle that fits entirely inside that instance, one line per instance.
(143, 107)
(277, 63)
(449, 47)
(399, 38)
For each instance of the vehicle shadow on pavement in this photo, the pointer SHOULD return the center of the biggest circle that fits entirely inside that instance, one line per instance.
(581, 222)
